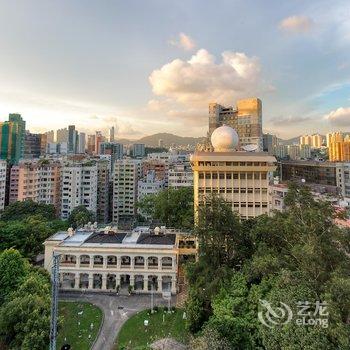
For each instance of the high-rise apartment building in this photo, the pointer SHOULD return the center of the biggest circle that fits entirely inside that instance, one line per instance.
(115, 150)
(36, 180)
(317, 141)
(103, 171)
(62, 135)
(50, 136)
(239, 177)
(180, 175)
(78, 187)
(294, 152)
(339, 147)
(99, 138)
(305, 152)
(111, 136)
(138, 150)
(32, 145)
(12, 133)
(125, 180)
(81, 143)
(3, 173)
(269, 143)
(280, 151)
(91, 144)
(72, 139)
(314, 141)
(246, 119)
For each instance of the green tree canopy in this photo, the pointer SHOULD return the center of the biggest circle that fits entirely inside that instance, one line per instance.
(25, 303)
(80, 216)
(297, 255)
(173, 207)
(13, 269)
(21, 210)
(27, 235)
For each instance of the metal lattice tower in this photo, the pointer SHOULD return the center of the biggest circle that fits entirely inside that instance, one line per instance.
(54, 299)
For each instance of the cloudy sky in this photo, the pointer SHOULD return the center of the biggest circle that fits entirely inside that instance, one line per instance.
(149, 66)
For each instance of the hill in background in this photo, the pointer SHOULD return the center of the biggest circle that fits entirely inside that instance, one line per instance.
(168, 139)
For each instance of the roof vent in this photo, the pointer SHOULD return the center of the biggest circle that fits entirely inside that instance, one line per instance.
(107, 229)
(70, 232)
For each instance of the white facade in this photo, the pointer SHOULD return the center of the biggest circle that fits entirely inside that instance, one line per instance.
(78, 187)
(3, 168)
(112, 260)
(125, 180)
(149, 185)
(180, 175)
(277, 193)
(343, 178)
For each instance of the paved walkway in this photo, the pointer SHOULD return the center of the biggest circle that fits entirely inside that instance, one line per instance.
(116, 308)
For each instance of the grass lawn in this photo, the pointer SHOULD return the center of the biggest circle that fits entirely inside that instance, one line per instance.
(80, 337)
(136, 335)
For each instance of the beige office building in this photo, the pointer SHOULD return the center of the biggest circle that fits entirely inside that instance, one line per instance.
(240, 177)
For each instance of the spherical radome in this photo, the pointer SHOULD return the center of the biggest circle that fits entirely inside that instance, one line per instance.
(224, 138)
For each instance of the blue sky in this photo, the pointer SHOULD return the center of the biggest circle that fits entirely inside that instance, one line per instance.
(153, 66)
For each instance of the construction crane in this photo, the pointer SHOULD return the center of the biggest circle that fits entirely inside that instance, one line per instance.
(54, 299)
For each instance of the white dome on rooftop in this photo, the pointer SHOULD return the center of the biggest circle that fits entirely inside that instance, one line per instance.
(224, 139)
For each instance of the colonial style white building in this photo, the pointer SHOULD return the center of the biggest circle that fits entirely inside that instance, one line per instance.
(108, 259)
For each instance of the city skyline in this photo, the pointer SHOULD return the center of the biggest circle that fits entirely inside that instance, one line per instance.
(161, 74)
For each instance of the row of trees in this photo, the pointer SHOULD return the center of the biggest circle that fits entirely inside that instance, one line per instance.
(26, 225)
(298, 255)
(24, 303)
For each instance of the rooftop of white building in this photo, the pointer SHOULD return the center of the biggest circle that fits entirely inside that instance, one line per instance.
(141, 237)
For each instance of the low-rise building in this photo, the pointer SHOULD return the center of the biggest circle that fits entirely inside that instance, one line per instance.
(148, 260)
(323, 173)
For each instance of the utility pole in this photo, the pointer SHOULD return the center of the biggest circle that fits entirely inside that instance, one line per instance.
(54, 299)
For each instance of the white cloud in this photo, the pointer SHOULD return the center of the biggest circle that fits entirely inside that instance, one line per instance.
(200, 80)
(339, 117)
(183, 41)
(296, 24)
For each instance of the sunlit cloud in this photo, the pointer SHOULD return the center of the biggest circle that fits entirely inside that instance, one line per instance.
(201, 79)
(184, 42)
(296, 24)
(339, 117)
